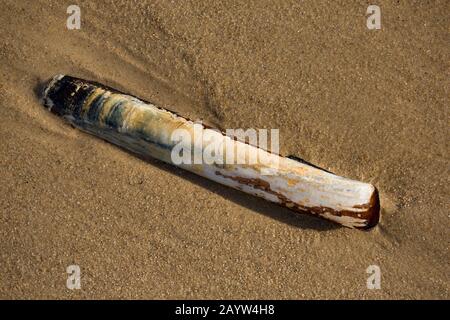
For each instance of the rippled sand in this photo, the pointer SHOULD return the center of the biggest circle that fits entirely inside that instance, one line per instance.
(370, 105)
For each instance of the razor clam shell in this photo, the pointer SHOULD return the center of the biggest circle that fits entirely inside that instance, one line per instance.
(146, 129)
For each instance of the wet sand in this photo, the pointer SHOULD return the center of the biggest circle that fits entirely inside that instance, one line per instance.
(371, 105)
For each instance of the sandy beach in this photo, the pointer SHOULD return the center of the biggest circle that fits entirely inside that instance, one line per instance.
(371, 105)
